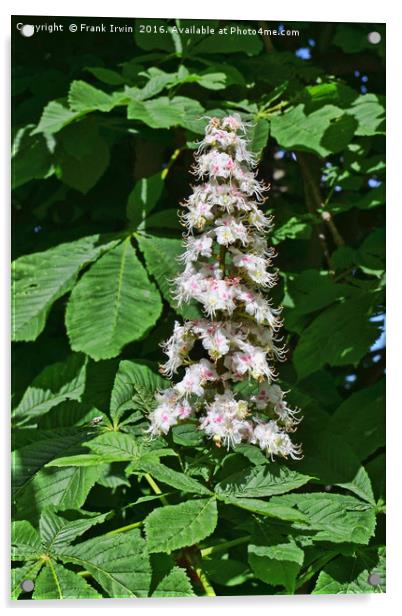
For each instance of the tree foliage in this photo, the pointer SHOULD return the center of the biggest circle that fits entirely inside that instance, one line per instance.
(103, 140)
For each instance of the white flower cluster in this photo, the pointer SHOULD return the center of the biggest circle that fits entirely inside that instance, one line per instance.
(226, 261)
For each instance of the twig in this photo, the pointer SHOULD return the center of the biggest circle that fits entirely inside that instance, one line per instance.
(222, 547)
(318, 203)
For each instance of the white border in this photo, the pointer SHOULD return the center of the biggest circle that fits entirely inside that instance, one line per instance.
(293, 10)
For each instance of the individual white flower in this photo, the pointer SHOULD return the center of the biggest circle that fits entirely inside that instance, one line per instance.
(228, 230)
(164, 416)
(216, 343)
(274, 441)
(233, 123)
(250, 360)
(196, 377)
(258, 220)
(177, 348)
(196, 247)
(215, 164)
(225, 420)
(272, 394)
(254, 266)
(217, 295)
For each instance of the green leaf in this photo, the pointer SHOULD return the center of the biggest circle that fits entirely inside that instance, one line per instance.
(369, 111)
(31, 158)
(143, 198)
(108, 447)
(312, 290)
(258, 136)
(57, 582)
(113, 304)
(252, 453)
(210, 81)
(81, 155)
(164, 112)
(275, 562)
(323, 132)
(134, 387)
(360, 420)
(28, 571)
(65, 488)
(260, 481)
(333, 517)
(116, 445)
(352, 574)
(174, 584)
(281, 512)
(26, 543)
(293, 229)
(119, 563)
(54, 117)
(322, 458)
(173, 478)
(176, 526)
(84, 98)
(28, 460)
(354, 336)
(161, 256)
(56, 383)
(106, 75)
(56, 532)
(187, 434)
(39, 279)
(376, 471)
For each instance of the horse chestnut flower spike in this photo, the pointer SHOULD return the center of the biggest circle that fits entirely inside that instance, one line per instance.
(227, 261)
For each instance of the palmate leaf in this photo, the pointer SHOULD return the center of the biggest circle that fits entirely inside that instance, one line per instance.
(119, 563)
(56, 383)
(39, 279)
(260, 481)
(175, 526)
(113, 304)
(56, 582)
